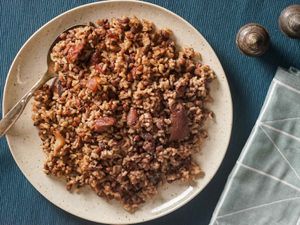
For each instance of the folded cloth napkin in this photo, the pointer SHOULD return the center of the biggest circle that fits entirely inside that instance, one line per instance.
(264, 186)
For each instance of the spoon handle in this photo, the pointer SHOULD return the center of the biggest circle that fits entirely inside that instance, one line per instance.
(14, 113)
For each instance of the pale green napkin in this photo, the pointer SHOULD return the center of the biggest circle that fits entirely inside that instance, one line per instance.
(264, 186)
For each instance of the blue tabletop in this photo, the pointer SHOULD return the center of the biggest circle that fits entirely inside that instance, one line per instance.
(249, 79)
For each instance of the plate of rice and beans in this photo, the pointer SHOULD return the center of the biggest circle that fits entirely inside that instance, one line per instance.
(138, 120)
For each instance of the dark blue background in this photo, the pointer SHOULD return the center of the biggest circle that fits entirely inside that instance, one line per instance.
(218, 21)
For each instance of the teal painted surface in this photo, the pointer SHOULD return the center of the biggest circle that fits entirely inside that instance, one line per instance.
(249, 79)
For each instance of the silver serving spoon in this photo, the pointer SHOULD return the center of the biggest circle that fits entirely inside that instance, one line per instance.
(14, 113)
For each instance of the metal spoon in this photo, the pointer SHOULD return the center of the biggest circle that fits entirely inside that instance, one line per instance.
(14, 113)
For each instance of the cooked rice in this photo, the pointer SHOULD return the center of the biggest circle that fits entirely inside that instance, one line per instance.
(127, 111)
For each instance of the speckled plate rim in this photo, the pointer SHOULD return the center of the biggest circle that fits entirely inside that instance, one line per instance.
(230, 110)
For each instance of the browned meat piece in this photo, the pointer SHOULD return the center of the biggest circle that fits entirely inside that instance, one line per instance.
(95, 58)
(102, 124)
(179, 123)
(59, 141)
(92, 84)
(57, 87)
(132, 117)
(75, 52)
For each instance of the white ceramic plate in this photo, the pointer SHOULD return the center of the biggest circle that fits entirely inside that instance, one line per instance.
(24, 143)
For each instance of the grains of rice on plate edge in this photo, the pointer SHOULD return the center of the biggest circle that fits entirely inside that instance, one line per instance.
(127, 111)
